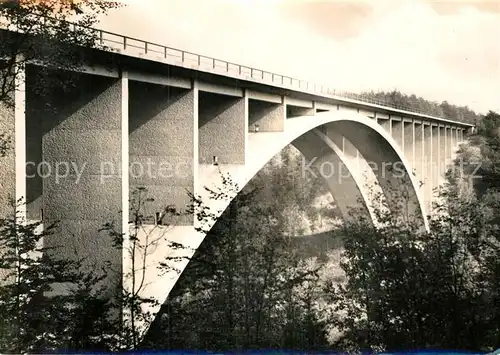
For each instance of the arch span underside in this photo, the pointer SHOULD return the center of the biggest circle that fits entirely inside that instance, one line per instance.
(317, 138)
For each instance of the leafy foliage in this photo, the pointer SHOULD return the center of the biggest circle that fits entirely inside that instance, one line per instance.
(39, 32)
(47, 303)
(408, 289)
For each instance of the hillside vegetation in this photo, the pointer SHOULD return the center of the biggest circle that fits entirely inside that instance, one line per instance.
(443, 109)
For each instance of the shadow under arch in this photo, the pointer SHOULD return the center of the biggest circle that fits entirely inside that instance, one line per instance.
(340, 176)
(388, 164)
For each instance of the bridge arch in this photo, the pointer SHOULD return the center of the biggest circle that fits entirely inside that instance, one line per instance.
(315, 137)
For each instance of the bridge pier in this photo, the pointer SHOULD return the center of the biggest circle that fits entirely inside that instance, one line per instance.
(73, 140)
(428, 165)
(435, 156)
(385, 121)
(442, 155)
(447, 142)
(397, 130)
(408, 146)
(419, 158)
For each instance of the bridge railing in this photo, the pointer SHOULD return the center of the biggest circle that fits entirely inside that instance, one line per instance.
(133, 46)
(129, 45)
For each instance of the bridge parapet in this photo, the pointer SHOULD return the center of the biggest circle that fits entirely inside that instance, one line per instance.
(139, 48)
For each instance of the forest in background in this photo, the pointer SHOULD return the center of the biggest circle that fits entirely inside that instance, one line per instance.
(432, 108)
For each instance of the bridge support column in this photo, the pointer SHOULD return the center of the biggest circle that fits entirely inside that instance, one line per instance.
(13, 162)
(454, 142)
(124, 86)
(408, 142)
(428, 165)
(442, 156)
(384, 121)
(20, 141)
(81, 186)
(449, 147)
(397, 130)
(436, 159)
(446, 148)
(419, 158)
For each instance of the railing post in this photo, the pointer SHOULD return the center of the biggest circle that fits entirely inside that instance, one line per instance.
(101, 37)
(146, 47)
(182, 56)
(263, 75)
(227, 66)
(251, 72)
(239, 69)
(213, 63)
(199, 60)
(124, 42)
(165, 52)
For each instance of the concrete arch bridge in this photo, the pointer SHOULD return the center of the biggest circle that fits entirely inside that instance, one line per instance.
(146, 115)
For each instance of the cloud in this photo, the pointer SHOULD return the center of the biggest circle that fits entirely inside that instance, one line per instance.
(333, 19)
(454, 7)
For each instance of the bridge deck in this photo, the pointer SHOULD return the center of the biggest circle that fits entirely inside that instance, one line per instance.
(176, 57)
(138, 48)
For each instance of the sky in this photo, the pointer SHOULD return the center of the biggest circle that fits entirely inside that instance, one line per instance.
(446, 50)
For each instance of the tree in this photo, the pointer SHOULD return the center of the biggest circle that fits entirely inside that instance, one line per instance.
(34, 32)
(145, 234)
(53, 304)
(36, 317)
(407, 289)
